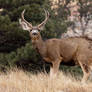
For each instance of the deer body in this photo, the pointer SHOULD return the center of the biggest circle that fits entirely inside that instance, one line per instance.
(58, 50)
(54, 48)
(66, 49)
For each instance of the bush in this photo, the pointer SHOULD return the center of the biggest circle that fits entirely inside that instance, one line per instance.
(23, 57)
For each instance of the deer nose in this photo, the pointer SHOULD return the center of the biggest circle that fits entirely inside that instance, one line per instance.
(34, 33)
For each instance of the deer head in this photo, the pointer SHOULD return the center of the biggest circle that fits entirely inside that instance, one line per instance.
(34, 30)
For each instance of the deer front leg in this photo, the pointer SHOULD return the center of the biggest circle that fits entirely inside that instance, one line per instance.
(86, 73)
(55, 67)
(85, 70)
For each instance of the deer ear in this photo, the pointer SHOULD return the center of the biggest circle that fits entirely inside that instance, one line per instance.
(24, 25)
(41, 28)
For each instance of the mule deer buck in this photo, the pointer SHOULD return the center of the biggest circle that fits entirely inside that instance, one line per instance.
(55, 50)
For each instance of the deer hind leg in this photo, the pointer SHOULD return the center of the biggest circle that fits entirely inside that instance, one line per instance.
(55, 67)
(90, 71)
(85, 70)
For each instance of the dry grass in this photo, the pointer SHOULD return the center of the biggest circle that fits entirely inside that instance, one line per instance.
(19, 81)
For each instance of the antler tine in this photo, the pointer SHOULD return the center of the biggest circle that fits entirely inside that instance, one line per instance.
(23, 19)
(46, 18)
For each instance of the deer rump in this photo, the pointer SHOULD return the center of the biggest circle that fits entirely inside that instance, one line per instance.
(76, 48)
(79, 33)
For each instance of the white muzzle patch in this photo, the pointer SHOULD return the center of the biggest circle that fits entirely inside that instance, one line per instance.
(34, 31)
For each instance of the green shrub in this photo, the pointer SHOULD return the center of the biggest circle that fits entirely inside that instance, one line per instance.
(25, 55)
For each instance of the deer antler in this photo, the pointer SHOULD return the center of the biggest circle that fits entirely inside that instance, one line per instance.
(46, 18)
(28, 26)
(23, 19)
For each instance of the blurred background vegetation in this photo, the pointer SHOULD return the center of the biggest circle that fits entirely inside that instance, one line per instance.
(15, 44)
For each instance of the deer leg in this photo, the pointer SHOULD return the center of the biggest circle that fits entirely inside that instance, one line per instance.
(85, 70)
(51, 72)
(55, 67)
(90, 69)
(90, 72)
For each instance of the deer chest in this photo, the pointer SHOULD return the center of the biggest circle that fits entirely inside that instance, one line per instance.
(47, 59)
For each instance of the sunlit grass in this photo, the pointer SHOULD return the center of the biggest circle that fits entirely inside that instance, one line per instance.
(20, 81)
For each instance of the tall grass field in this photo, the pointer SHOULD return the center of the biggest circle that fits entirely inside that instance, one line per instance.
(20, 81)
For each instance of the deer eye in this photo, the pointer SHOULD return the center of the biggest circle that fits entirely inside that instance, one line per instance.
(30, 30)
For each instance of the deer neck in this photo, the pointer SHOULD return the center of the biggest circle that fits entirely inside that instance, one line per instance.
(40, 46)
